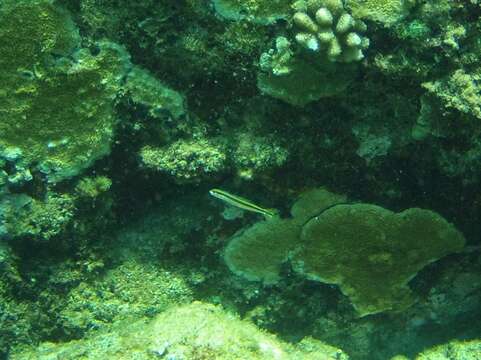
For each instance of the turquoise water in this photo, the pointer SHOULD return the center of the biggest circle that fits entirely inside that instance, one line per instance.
(342, 137)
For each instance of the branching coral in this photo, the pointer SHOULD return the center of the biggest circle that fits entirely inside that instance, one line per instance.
(326, 27)
(299, 81)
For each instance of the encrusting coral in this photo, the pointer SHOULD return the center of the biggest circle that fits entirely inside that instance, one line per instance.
(56, 101)
(371, 253)
(299, 81)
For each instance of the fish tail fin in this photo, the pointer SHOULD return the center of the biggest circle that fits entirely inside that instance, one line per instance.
(271, 213)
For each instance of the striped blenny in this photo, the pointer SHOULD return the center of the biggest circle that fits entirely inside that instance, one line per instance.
(242, 203)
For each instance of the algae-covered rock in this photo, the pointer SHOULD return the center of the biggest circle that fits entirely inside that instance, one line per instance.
(258, 11)
(372, 253)
(189, 332)
(42, 219)
(254, 155)
(56, 101)
(454, 350)
(186, 160)
(92, 187)
(133, 289)
(387, 12)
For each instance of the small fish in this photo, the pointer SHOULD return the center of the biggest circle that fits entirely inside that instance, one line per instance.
(242, 203)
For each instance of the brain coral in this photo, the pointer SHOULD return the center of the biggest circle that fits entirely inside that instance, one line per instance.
(56, 104)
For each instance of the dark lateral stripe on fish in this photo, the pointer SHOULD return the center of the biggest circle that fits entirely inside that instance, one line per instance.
(240, 202)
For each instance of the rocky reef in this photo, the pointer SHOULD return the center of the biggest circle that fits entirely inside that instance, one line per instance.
(357, 121)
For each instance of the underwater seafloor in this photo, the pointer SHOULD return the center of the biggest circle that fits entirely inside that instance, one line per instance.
(240, 179)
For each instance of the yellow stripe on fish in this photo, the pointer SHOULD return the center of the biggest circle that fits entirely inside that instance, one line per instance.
(242, 203)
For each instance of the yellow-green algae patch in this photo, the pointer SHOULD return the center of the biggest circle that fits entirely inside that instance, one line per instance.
(194, 331)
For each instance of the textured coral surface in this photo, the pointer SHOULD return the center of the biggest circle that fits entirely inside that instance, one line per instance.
(354, 125)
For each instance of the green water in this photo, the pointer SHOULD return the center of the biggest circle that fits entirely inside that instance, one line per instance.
(353, 124)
